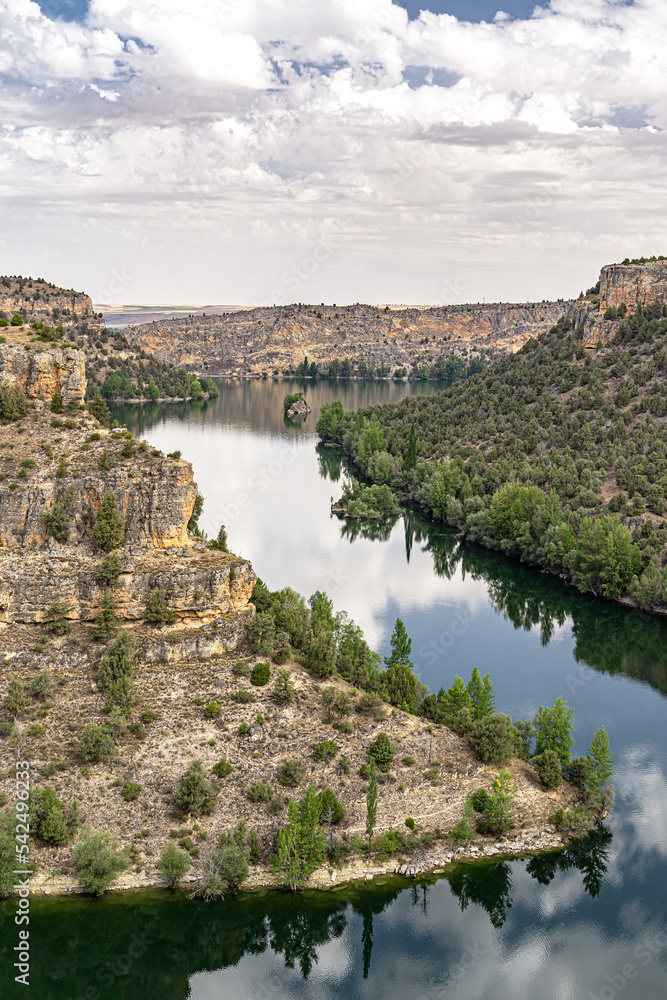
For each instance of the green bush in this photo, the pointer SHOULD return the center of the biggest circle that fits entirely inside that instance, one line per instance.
(325, 750)
(260, 675)
(548, 769)
(109, 528)
(575, 821)
(331, 809)
(194, 794)
(36, 730)
(17, 320)
(55, 615)
(291, 773)
(105, 622)
(410, 823)
(148, 716)
(212, 710)
(15, 700)
(96, 744)
(408, 761)
(243, 697)
(576, 772)
(222, 768)
(157, 611)
(241, 668)
(284, 690)
(260, 792)
(52, 827)
(463, 832)
(498, 814)
(42, 685)
(174, 864)
(110, 569)
(494, 739)
(116, 673)
(131, 791)
(276, 805)
(382, 751)
(57, 523)
(480, 800)
(243, 729)
(97, 860)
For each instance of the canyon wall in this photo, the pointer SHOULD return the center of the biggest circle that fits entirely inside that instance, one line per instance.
(44, 371)
(634, 284)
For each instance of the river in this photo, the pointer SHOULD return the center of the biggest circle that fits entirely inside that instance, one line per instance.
(589, 922)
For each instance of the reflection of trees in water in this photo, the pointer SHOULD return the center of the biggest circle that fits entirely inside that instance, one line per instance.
(589, 854)
(489, 886)
(329, 462)
(376, 529)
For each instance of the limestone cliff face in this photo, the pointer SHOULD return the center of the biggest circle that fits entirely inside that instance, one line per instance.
(42, 301)
(275, 340)
(43, 372)
(69, 469)
(634, 284)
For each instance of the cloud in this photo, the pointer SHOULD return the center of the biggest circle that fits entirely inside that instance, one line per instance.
(428, 145)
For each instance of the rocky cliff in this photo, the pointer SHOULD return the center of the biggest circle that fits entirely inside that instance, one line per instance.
(44, 372)
(634, 284)
(54, 475)
(40, 301)
(275, 340)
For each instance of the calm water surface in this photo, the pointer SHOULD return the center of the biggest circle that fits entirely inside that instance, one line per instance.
(589, 922)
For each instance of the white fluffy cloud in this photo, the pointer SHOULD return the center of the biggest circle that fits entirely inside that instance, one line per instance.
(449, 160)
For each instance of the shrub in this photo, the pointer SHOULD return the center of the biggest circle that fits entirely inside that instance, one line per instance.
(51, 824)
(463, 832)
(6, 729)
(194, 795)
(260, 792)
(56, 403)
(116, 673)
(364, 771)
(105, 622)
(282, 647)
(131, 791)
(575, 821)
(498, 814)
(242, 697)
(35, 730)
(370, 703)
(241, 668)
(331, 809)
(13, 403)
(410, 823)
(344, 765)
(284, 690)
(335, 702)
(382, 751)
(325, 750)
(222, 768)
(243, 729)
(276, 805)
(57, 523)
(173, 864)
(494, 739)
(157, 611)
(291, 773)
(17, 320)
(480, 800)
(97, 860)
(576, 772)
(212, 710)
(15, 700)
(109, 528)
(148, 716)
(55, 615)
(42, 685)
(110, 569)
(96, 744)
(408, 761)
(262, 633)
(260, 675)
(548, 770)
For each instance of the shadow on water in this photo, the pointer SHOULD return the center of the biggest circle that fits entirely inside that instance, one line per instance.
(140, 930)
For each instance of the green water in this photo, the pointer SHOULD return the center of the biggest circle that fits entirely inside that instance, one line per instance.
(587, 922)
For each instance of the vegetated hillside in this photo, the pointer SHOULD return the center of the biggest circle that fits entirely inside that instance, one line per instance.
(556, 455)
(361, 340)
(33, 311)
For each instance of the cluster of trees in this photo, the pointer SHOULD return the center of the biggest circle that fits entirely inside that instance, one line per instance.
(448, 369)
(358, 500)
(518, 456)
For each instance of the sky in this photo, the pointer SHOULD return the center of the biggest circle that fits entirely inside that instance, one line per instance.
(260, 151)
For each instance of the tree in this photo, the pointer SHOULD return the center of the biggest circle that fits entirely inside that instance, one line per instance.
(400, 686)
(481, 695)
(52, 825)
(173, 864)
(284, 690)
(463, 832)
(97, 860)
(99, 409)
(600, 760)
(110, 569)
(371, 805)
(56, 616)
(302, 843)
(554, 730)
(157, 610)
(320, 656)
(498, 813)
(382, 751)
(548, 769)
(494, 739)
(262, 633)
(56, 402)
(15, 700)
(322, 609)
(116, 673)
(153, 391)
(105, 622)
(453, 701)
(411, 454)
(194, 794)
(401, 647)
(109, 528)
(57, 522)
(197, 509)
(96, 745)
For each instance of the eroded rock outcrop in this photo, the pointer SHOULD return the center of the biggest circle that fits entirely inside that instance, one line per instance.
(633, 284)
(44, 371)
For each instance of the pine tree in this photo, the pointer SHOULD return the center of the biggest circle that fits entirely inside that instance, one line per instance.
(600, 760)
(554, 730)
(454, 700)
(411, 454)
(481, 695)
(174, 864)
(105, 623)
(401, 647)
(116, 673)
(109, 527)
(371, 805)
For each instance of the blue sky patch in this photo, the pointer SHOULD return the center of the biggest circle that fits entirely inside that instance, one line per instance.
(64, 10)
(471, 10)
